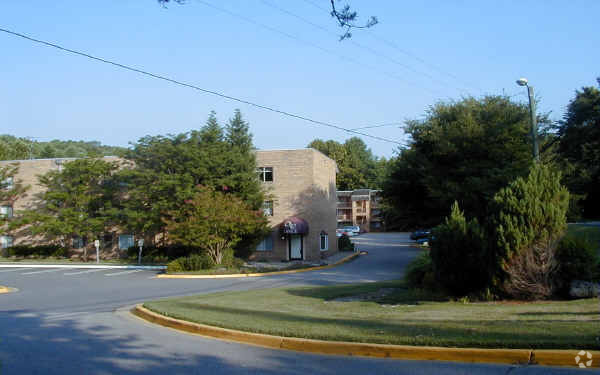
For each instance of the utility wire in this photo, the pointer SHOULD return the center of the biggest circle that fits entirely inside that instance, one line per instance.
(328, 51)
(377, 126)
(396, 47)
(371, 50)
(180, 83)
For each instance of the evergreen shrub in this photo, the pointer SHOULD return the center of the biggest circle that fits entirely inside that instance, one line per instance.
(344, 243)
(419, 272)
(194, 262)
(42, 251)
(458, 255)
(577, 260)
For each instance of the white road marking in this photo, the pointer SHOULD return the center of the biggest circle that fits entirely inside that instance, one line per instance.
(87, 271)
(34, 272)
(122, 273)
(17, 269)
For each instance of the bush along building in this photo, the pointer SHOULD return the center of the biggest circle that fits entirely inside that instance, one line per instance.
(360, 207)
(301, 203)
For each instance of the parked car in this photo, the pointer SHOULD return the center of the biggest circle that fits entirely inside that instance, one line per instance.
(355, 229)
(349, 231)
(420, 234)
(339, 232)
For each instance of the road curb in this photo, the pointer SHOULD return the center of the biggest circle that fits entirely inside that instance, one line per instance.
(82, 266)
(505, 356)
(236, 275)
(5, 289)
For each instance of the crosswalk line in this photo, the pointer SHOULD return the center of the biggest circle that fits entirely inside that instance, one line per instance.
(45, 271)
(86, 271)
(17, 269)
(122, 273)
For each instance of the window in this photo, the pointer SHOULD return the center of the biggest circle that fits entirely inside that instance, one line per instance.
(79, 242)
(6, 211)
(265, 174)
(8, 183)
(324, 242)
(266, 244)
(267, 208)
(6, 241)
(107, 240)
(125, 241)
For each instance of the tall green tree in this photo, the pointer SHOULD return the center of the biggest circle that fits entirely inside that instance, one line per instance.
(77, 201)
(358, 168)
(462, 151)
(167, 170)
(579, 147)
(214, 221)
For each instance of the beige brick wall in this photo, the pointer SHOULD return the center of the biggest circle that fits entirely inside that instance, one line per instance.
(303, 186)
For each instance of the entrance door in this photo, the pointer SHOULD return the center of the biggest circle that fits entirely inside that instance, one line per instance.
(295, 246)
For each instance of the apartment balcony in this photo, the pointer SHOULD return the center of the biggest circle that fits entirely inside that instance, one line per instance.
(344, 206)
(344, 217)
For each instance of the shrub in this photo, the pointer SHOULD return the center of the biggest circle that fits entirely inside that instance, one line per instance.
(577, 260)
(194, 262)
(37, 251)
(344, 243)
(527, 217)
(458, 255)
(170, 252)
(419, 272)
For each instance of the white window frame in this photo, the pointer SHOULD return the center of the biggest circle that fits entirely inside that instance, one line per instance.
(130, 241)
(8, 183)
(264, 244)
(79, 242)
(268, 211)
(6, 211)
(262, 174)
(326, 236)
(6, 241)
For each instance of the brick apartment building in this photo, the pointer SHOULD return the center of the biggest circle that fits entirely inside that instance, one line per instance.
(360, 207)
(301, 207)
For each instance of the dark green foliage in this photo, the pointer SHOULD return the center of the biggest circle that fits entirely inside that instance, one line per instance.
(169, 252)
(419, 273)
(44, 251)
(344, 243)
(13, 148)
(462, 151)
(577, 260)
(194, 262)
(168, 169)
(579, 149)
(358, 167)
(78, 201)
(458, 255)
(530, 211)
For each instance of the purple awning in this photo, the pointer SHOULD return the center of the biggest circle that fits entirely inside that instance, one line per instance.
(294, 225)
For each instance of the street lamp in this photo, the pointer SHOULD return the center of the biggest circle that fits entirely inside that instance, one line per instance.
(536, 152)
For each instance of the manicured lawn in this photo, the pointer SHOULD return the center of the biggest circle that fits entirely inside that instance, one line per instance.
(401, 317)
(242, 270)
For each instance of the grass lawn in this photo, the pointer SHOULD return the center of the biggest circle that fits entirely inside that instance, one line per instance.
(401, 316)
(242, 270)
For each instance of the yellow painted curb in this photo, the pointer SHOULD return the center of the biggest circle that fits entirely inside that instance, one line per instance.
(344, 260)
(5, 289)
(510, 356)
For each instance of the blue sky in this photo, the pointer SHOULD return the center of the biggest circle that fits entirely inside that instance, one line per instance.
(420, 53)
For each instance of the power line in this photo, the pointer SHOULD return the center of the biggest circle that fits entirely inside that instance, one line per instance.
(403, 51)
(378, 126)
(353, 42)
(180, 83)
(328, 51)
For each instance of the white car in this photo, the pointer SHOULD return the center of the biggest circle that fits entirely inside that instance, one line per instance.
(352, 231)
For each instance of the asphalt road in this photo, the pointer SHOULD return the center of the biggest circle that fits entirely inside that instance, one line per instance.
(77, 322)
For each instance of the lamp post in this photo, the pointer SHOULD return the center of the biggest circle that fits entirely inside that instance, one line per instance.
(536, 151)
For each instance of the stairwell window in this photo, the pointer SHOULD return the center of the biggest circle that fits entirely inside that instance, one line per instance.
(7, 184)
(324, 242)
(265, 174)
(266, 244)
(6, 242)
(6, 212)
(267, 208)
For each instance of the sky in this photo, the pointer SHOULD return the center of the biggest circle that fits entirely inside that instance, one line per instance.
(284, 55)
